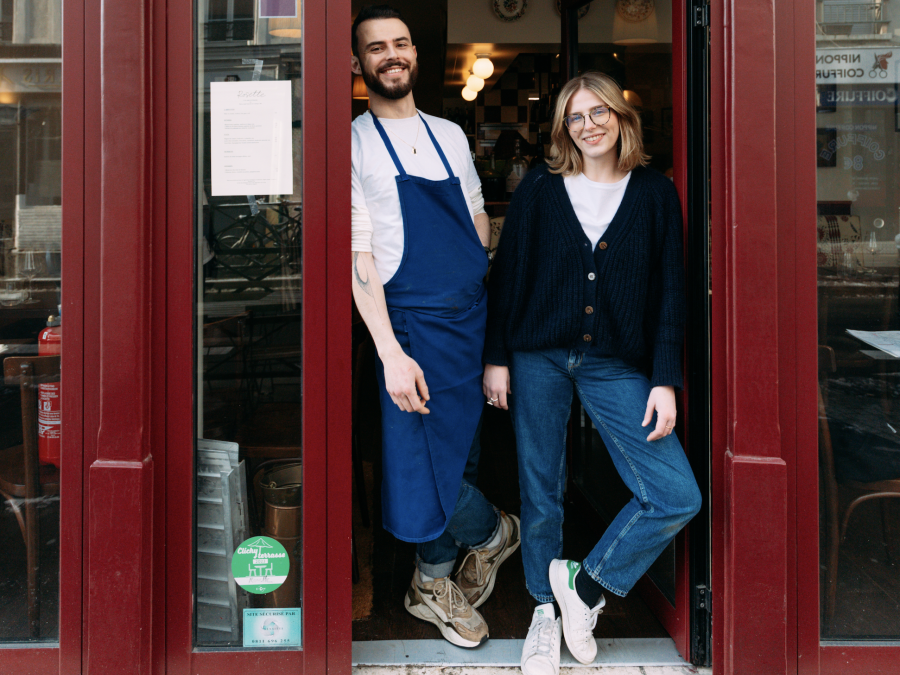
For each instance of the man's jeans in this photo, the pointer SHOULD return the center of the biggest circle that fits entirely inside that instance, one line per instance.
(614, 394)
(473, 524)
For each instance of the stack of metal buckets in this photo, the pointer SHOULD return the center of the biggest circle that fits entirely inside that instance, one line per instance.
(282, 493)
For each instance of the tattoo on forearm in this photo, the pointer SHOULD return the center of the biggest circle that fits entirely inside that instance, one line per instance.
(366, 284)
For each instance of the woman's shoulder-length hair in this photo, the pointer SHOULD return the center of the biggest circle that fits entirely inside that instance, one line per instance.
(565, 157)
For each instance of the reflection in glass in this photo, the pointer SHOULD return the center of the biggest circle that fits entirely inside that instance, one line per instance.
(858, 241)
(248, 326)
(30, 232)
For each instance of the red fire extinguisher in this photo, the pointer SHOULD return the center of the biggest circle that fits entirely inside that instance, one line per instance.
(49, 414)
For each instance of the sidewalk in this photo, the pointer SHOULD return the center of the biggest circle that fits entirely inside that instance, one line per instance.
(493, 670)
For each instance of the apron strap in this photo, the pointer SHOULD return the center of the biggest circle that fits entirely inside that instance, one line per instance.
(439, 151)
(390, 147)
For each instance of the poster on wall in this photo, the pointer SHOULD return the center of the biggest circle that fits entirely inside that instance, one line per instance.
(250, 138)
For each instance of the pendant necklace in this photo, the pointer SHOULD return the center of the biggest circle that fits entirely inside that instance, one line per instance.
(415, 142)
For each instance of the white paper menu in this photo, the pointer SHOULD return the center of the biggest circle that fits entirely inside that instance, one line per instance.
(887, 341)
(250, 125)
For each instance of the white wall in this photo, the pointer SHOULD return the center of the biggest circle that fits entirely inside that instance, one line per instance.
(471, 21)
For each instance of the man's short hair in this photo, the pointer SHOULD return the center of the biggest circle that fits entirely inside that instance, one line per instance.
(369, 13)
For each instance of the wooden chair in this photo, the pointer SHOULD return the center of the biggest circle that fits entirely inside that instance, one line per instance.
(859, 492)
(23, 480)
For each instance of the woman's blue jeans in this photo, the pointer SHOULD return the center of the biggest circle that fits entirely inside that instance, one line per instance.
(614, 394)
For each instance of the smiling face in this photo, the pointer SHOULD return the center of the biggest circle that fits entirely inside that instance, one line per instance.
(387, 58)
(596, 142)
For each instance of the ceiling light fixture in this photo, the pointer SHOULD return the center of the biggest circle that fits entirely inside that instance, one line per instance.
(482, 67)
(359, 88)
(475, 83)
(635, 23)
(468, 94)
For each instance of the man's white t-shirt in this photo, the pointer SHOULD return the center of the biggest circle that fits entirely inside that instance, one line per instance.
(377, 223)
(595, 204)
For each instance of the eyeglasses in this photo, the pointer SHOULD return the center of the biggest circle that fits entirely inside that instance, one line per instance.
(599, 116)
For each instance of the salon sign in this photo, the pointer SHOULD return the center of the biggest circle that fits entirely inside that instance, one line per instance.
(858, 65)
(32, 76)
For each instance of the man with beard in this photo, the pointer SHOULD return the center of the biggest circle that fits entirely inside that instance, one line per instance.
(419, 260)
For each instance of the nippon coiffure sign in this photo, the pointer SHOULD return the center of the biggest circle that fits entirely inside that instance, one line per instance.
(857, 65)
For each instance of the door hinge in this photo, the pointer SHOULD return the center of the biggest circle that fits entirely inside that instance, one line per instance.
(701, 16)
(702, 626)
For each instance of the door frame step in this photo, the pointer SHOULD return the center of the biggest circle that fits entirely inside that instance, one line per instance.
(656, 656)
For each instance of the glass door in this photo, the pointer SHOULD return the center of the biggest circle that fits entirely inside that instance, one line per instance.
(245, 301)
(858, 267)
(40, 409)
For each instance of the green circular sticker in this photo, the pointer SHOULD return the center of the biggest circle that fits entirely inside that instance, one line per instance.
(260, 565)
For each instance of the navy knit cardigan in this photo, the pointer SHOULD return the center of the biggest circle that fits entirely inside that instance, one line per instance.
(625, 298)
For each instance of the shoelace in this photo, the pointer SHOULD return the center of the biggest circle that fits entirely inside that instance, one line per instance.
(588, 633)
(444, 587)
(544, 637)
(479, 566)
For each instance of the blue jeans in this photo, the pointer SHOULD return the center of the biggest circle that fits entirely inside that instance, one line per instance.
(614, 394)
(473, 524)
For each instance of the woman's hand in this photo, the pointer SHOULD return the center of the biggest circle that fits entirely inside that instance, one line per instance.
(662, 400)
(496, 385)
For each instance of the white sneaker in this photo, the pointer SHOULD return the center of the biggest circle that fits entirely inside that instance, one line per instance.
(578, 619)
(540, 656)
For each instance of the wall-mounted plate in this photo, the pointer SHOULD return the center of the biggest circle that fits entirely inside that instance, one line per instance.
(510, 10)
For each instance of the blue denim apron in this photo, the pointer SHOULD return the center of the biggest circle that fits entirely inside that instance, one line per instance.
(436, 303)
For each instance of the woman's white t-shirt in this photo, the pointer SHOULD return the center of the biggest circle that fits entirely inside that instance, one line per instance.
(376, 221)
(595, 204)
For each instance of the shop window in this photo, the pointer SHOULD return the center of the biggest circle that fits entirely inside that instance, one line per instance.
(858, 256)
(30, 323)
(249, 469)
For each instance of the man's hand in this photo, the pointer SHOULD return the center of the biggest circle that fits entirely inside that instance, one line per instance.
(405, 382)
(662, 400)
(495, 385)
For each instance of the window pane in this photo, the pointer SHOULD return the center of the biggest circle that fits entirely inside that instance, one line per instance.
(858, 240)
(30, 229)
(248, 324)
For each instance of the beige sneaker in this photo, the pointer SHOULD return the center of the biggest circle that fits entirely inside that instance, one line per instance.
(478, 571)
(442, 603)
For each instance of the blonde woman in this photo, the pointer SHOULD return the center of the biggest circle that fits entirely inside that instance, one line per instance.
(586, 296)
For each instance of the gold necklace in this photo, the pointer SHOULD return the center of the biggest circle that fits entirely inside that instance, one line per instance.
(418, 127)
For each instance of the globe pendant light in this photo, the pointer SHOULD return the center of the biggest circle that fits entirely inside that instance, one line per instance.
(468, 94)
(483, 67)
(475, 83)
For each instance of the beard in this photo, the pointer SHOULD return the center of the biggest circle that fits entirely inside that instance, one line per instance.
(397, 90)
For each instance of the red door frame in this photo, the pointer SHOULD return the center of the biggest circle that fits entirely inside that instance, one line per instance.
(326, 349)
(753, 337)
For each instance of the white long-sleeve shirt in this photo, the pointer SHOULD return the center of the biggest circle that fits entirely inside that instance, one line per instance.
(377, 222)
